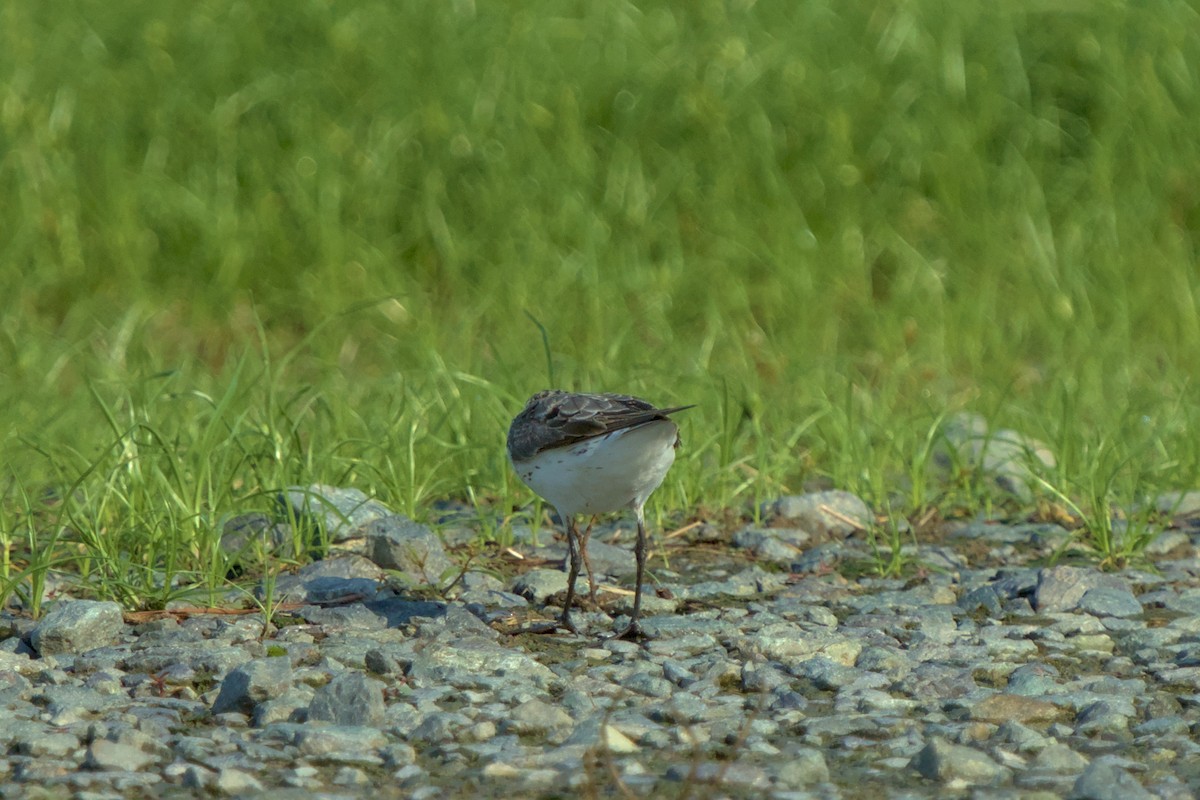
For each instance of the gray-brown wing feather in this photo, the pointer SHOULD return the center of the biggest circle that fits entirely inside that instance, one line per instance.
(559, 419)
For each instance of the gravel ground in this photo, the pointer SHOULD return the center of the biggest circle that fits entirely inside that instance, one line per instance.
(770, 667)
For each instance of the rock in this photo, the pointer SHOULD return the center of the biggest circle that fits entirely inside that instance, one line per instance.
(1059, 758)
(1034, 679)
(1012, 707)
(782, 545)
(1110, 601)
(396, 542)
(232, 782)
(105, 755)
(834, 512)
(252, 683)
(942, 761)
(340, 742)
(1011, 459)
(1166, 541)
(329, 579)
(539, 585)
(250, 538)
(1105, 780)
(33, 740)
(1179, 504)
(340, 513)
(1062, 588)
(536, 718)
(440, 726)
(77, 626)
(349, 699)
(598, 733)
(804, 766)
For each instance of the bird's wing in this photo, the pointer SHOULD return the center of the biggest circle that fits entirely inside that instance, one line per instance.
(559, 419)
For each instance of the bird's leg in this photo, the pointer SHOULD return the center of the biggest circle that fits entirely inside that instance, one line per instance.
(639, 552)
(587, 562)
(572, 573)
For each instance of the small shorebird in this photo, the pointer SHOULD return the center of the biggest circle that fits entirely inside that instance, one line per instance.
(591, 454)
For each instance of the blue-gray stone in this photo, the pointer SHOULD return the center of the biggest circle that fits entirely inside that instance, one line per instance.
(351, 698)
(76, 626)
(835, 512)
(1105, 780)
(252, 683)
(396, 542)
(341, 513)
(1109, 601)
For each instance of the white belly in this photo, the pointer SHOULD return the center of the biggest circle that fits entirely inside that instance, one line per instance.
(607, 473)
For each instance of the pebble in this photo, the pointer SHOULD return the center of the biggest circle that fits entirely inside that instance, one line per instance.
(342, 513)
(833, 512)
(990, 677)
(1005, 456)
(395, 542)
(76, 627)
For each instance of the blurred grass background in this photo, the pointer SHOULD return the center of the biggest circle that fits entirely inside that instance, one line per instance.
(252, 244)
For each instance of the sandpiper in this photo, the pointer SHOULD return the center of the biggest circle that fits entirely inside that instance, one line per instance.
(591, 454)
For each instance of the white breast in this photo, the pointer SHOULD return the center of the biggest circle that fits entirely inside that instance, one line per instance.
(607, 473)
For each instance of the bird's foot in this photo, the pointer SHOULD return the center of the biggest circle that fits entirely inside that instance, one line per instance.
(631, 631)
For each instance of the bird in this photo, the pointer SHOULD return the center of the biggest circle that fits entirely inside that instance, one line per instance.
(593, 454)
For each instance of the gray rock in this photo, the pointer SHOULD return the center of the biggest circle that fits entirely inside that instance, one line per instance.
(942, 761)
(824, 557)
(1011, 459)
(647, 684)
(250, 538)
(735, 774)
(537, 718)
(1104, 717)
(1062, 588)
(834, 512)
(231, 782)
(398, 611)
(1174, 725)
(1021, 737)
(985, 599)
(803, 766)
(205, 657)
(1034, 679)
(67, 704)
(105, 755)
(1179, 504)
(826, 674)
(1058, 757)
(290, 706)
(32, 739)
(396, 542)
(1106, 780)
(349, 699)
(1110, 601)
(328, 579)
(341, 513)
(1166, 541)
(538, 585)
(252, 683)
(76, 626)
(477, 661)
(494, 601)
(440, 726)
(357, 616)
(780, 545)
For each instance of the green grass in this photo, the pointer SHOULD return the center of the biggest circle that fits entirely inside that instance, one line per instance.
(247, 245)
